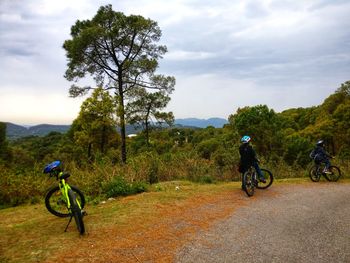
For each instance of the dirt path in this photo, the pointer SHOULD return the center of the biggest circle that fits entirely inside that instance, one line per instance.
(302, 223)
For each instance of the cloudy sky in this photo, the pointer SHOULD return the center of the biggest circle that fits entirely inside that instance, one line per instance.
(224, 54)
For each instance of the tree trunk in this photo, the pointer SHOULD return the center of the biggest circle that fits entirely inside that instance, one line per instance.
(103, 139)
(147, 134)
(121, 113)
(89, 151)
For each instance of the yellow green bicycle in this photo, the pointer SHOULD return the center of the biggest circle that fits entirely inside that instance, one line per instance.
(64, 200)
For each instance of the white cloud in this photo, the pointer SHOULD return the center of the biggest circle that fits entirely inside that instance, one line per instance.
(224, 54)
(31, 108)
(188, 55)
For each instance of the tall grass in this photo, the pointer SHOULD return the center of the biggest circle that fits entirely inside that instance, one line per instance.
(103, 179)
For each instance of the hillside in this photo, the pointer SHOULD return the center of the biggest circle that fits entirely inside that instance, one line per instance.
(202, 123)
(15, 131)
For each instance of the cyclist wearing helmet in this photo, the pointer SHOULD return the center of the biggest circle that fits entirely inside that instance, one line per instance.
(320, 155)
(249, 158)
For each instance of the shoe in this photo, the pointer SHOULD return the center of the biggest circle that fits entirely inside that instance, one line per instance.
(327, 171)
(262, 179)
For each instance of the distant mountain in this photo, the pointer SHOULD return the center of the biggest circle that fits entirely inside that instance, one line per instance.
(14, 131)
(202, 123)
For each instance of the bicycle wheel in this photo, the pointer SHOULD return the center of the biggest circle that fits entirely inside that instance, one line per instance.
(76, 211)
(248, 183)
(314, 174)
(56, 203)
(268, 177)
(334, 175)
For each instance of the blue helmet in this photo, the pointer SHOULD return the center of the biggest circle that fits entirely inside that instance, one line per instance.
(51, 167)
(245, 139)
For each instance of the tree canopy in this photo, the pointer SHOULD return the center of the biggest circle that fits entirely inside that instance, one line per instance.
(120, 52)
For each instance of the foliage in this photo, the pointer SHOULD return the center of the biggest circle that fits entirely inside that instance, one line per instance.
(94, 129)
(119, 187)
(4, 152)
(120, 52)
(282, 140)
(262, 124)
(144, 109)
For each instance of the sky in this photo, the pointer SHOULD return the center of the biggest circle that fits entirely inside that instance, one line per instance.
(224, 54)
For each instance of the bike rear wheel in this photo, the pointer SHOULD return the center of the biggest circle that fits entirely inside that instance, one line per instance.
(249, 183)
(56, 203)
(268, 178)
(334, 174)
(314, 174)
(76, 211)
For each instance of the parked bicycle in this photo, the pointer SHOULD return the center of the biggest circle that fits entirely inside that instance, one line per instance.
(64, 200)
(251, 181)
(317, 170)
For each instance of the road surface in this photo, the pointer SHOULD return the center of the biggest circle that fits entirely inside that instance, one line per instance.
(299, 223)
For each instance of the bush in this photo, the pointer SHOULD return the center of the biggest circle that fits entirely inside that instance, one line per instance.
(119, 187)
(205, 179)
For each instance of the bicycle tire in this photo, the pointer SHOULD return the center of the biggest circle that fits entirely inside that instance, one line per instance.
(314, 175)
(335, 174)
(56, 204)
(76, 211)
(248, 183)
(268, 177)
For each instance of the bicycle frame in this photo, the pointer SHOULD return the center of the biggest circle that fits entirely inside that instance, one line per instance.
(64, 187)
(254, 173)
(63, 200)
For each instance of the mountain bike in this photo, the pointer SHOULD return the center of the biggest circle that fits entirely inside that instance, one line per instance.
(317, 170)
(64, 200)
(251, 181)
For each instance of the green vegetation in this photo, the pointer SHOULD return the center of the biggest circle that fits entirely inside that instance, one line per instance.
(283, 141)
(122, 54)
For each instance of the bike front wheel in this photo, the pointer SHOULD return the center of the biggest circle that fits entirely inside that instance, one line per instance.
(314, 174)
(76, 211)
(56, 203)
(334, 174)
(268, 178)
(249, 183)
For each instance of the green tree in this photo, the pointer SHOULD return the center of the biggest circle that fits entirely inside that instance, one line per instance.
(120, 52)
(95, 126)
(262, 124)
(3, 141)
(144, 109)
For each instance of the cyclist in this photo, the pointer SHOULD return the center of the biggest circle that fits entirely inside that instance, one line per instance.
(249, 158)
(320, 155)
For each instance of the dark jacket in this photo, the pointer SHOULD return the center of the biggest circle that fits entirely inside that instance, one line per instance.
(320, 154)
(248, 155)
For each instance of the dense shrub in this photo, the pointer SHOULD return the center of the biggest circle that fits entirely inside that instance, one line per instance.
(118, 186)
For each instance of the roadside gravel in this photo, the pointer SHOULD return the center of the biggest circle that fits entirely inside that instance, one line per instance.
(291, 223)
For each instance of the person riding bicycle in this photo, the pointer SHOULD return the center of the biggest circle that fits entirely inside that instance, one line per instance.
(249, 158)
(319, 155)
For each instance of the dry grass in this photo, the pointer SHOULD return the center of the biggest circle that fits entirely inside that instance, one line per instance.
(31, 234)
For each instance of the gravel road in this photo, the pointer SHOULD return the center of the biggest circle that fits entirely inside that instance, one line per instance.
(291, 223)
